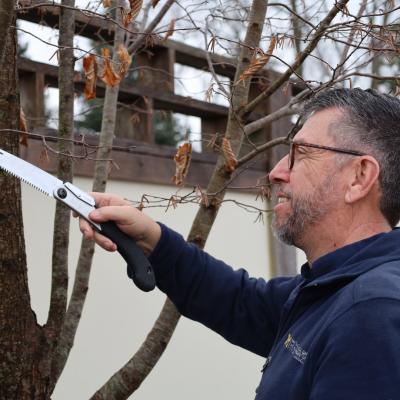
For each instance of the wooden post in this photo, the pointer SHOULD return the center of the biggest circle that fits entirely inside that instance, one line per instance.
(136, 122)
(32, 98)
(209, 128)
(156, 72)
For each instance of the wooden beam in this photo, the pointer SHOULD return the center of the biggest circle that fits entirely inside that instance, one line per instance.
(102, 29)
(145, 163)
(129, 93)
(86, 24)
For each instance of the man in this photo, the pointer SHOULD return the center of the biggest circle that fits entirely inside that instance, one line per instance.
(332, 332)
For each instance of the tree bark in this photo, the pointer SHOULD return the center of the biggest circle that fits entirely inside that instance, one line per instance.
(59, 284)
(21, 341)
(125, 381)
(80, 289)
(6, 16)
(318, 34)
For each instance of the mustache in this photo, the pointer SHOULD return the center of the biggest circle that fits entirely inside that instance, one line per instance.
(278, 190)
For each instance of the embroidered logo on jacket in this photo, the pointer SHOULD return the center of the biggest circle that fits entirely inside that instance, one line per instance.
(295, 349)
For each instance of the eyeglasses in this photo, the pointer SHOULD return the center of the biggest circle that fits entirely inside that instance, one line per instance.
(293, 145)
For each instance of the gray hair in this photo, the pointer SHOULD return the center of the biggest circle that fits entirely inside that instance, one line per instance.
(370, 123)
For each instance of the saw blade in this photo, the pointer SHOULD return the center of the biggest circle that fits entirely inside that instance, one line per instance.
(29, 173)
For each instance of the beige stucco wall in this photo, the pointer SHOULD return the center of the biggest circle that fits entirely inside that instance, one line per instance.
(198, 364)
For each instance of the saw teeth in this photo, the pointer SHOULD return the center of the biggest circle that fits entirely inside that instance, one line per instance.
(25, 181)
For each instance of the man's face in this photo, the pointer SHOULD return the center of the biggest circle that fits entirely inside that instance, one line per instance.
(309, 192)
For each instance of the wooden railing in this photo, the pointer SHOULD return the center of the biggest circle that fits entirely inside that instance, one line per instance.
(154, 91)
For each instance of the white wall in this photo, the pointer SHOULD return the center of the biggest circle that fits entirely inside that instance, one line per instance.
(198, 364)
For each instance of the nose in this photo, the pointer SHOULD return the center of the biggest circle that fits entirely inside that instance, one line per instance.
(280, 173)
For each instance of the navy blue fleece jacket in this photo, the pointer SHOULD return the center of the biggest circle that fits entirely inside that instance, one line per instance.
(332, 332)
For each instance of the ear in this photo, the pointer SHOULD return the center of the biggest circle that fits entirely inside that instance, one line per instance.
(363, 177)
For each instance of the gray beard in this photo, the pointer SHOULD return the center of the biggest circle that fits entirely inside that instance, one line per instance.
(306, 212)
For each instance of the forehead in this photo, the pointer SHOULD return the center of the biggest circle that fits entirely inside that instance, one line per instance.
(317, 127)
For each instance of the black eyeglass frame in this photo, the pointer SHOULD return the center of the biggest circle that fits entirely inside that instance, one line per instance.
(292, 150)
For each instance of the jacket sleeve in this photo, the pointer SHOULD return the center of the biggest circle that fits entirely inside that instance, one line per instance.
(244, 310)
(360, 354)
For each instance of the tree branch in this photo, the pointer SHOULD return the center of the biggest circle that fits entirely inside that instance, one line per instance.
(346, 49)
(135, 46)
(128, 379)
(203, 221)
(79, 292)
(284, 111)
(59, 279)
(322, 27)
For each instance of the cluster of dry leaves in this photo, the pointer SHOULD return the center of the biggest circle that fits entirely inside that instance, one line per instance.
(110, 75)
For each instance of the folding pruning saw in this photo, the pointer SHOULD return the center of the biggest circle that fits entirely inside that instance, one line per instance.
(139, 268)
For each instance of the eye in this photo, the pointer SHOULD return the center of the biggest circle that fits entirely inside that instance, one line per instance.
(301, 150)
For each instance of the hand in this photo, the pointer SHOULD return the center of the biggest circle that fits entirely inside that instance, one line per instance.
(130, 220)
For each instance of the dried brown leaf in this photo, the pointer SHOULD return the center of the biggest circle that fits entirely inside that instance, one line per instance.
(152, 39)
(182, 161)
(210, 93)
(260, 59)
(23, 135)
(90, 67)
(125, 59)
(170, 31)
(264, 193)
(203, 197)
(130, 16)
(106, 3)
(108, 76)
(230, 158)
(173, 201)
(154, 2)
(212, 143)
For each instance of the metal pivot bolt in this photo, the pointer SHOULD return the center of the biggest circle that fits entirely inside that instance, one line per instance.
(62, 193)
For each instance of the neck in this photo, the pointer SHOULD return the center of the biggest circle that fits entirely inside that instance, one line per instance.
(326, 240)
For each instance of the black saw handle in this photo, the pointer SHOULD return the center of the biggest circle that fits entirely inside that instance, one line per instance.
(139, 268)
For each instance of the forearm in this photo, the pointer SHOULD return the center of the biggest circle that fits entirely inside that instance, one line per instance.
(211, 292)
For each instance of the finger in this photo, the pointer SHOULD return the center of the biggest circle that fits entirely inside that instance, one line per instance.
(86, 229)
(104, 242)
(91, 234)
(120, 214)
(108, 199)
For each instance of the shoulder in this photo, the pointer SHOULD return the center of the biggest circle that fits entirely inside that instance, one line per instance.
(381, 282)
(375, 293)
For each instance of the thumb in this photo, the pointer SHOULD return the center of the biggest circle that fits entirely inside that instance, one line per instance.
(119, 214)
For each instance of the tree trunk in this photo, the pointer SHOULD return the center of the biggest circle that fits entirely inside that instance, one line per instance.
(125, 381)
(59, 284)
(6, 15)
(77, 301)
(21, 340)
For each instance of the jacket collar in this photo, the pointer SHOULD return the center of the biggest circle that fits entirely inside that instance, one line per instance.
(354, 259)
